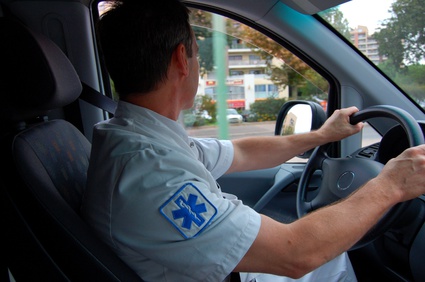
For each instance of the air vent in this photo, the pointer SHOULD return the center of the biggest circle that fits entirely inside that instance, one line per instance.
(369, 152)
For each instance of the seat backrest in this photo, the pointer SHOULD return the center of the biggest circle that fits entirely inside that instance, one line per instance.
(46, 163)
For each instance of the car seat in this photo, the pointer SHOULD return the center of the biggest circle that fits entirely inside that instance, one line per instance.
(44, 168)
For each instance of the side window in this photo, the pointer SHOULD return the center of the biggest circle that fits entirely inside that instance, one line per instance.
(242, 95)
(258, 76)
(370, 135)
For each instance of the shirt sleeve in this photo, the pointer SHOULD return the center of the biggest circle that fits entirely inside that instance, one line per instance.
(216, 155)
(178, 223)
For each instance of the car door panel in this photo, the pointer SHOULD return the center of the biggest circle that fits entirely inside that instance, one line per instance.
(269, 191)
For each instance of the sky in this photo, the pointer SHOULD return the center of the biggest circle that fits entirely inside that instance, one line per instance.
(366, 12)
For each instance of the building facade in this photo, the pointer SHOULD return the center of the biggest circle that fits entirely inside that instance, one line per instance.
(361, 38)
(247, 79)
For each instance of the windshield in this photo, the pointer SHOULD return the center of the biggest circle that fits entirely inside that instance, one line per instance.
(232, 112)
(391, 34)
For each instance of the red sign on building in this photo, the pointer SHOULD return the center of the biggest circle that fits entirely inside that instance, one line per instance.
(234, 104)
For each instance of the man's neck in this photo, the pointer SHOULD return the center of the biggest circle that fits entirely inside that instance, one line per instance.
(161, 102)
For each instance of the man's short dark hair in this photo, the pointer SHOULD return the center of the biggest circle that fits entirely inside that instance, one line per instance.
(138, 38)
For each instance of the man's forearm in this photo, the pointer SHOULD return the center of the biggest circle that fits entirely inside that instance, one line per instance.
(300, 247)
(334, 229)
(264, 152)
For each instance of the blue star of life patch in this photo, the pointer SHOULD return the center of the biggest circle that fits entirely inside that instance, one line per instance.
(189, 211)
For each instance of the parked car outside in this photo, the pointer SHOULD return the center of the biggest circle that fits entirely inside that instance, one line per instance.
(248, 115)
(233, 116)
(205, 115)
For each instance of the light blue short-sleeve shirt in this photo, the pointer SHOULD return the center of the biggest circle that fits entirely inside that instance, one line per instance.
(152, 196)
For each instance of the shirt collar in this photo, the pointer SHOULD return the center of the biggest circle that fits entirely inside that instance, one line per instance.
(144, 115)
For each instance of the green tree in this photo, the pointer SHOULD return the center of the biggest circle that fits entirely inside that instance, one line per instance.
(193, 117)
(336, 19)
(285, 68)
(315, 87)
(267, 109)
(288, 130)
(402, 37)
(201, 22)
(207, 104)
(417, 73)
(410, 79)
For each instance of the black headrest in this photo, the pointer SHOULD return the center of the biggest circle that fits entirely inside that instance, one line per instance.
(35, 75)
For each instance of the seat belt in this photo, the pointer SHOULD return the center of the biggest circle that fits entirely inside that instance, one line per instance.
(94, 97)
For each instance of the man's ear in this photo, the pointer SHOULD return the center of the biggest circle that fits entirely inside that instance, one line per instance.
(181, 59)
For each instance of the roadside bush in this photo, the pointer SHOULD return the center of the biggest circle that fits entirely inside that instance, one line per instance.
(267, 110)
(192, 120)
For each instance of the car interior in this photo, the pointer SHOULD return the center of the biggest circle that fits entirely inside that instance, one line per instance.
(55, 87)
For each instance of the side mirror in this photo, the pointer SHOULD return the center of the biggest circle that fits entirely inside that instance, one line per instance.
(299, 117)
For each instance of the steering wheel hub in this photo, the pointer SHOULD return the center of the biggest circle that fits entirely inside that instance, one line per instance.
(345, 180)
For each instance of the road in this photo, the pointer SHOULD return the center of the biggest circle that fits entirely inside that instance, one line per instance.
(264, 129)
(236, 130)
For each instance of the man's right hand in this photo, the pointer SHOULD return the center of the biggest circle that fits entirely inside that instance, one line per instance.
(405, 175)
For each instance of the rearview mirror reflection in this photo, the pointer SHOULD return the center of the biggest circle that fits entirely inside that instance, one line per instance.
(297, 120)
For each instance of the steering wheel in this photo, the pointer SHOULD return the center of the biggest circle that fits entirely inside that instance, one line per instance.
(342, 176)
